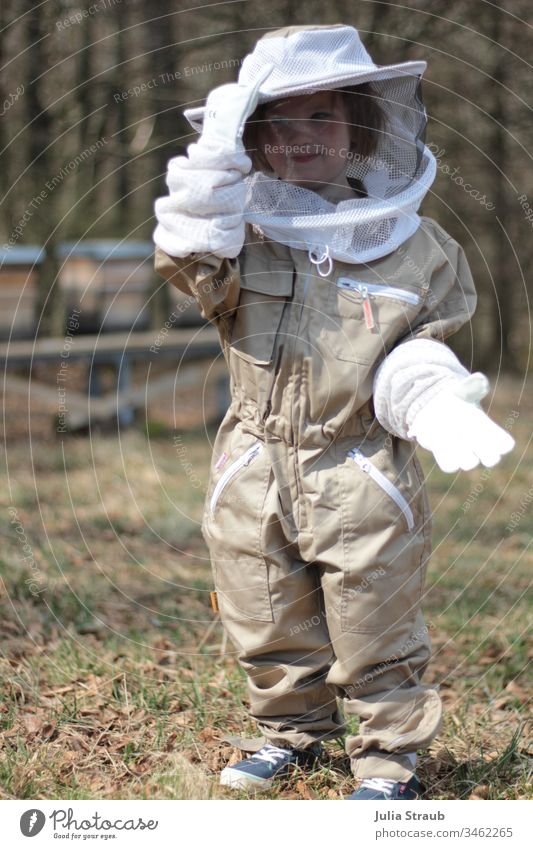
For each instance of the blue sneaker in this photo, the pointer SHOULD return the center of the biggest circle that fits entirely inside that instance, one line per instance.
(269, 763)
(387, 789)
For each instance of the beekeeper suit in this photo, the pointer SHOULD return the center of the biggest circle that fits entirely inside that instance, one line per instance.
(331, 317)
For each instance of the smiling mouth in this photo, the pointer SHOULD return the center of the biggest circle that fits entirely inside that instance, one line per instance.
(304, 157)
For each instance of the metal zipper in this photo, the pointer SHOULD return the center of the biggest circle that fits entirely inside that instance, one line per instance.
(244, 460)
(366, 289)
(385, 484)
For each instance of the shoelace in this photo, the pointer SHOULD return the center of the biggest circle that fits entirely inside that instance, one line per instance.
(382, 785)
(269, 754)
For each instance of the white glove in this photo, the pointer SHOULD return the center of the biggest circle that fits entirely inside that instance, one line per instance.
(203, 212)
(454, 427)
(227, 108)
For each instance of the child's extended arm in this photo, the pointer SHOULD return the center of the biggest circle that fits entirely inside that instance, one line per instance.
(421, 390)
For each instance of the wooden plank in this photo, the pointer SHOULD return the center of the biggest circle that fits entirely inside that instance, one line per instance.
(48, 395)
(145, 344)
(83, 409)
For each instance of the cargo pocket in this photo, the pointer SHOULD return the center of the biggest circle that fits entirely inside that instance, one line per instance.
(232, 527)
(263, 295)
(385, 543)
(365, 319)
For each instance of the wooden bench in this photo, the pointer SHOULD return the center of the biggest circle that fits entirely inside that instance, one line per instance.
(187, 346)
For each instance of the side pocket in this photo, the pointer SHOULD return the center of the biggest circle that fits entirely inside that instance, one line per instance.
(386, 485)
(244, 460)
(384, 540)
(233, 524)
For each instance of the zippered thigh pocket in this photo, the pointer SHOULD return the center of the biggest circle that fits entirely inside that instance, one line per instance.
(232, 530)
(386, 485)
(385, 539)
(235, 467)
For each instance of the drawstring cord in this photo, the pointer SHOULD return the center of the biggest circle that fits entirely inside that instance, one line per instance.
(318, 260)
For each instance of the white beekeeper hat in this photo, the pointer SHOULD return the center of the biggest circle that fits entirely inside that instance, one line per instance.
(308, 59)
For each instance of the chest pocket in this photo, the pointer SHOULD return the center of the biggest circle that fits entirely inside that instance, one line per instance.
(365, 318)
(263, 295)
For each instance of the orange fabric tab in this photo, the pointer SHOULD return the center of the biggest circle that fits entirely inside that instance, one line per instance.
(369, 318)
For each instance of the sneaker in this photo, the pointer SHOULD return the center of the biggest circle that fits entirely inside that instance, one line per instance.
(388, 789)
(269, 763)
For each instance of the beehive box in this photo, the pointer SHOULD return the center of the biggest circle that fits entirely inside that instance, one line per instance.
(19, 279)
(109, 281)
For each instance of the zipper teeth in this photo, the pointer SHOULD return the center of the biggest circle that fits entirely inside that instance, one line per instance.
(384, 483)
(237, 464)
(384, 291)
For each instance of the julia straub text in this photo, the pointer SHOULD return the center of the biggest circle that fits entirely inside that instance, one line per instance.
(407, 815)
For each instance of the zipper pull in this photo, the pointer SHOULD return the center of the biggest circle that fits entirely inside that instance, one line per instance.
(251, 455)
(367, 309)
(360, 459)
(221, 460)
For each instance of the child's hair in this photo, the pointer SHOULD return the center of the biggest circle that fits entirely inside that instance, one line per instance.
(365, 116)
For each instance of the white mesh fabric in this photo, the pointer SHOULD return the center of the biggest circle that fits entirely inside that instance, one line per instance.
(310, 58)
(306, 61)
(395, 177)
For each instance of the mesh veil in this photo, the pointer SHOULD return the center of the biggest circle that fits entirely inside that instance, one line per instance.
(395, 178)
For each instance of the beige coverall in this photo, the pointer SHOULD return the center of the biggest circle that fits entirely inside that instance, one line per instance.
(316, 519)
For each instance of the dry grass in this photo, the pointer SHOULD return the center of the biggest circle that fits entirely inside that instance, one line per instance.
(113, 684)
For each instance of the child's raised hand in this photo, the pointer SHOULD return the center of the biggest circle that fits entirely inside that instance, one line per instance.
(457, 431)
(226, 110)
(203, 212)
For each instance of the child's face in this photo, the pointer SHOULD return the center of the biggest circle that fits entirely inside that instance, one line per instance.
(306, 139)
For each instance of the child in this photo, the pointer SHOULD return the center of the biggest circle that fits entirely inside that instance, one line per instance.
(332, 298)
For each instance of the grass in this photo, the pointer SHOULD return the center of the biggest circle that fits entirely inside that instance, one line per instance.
(113, 684)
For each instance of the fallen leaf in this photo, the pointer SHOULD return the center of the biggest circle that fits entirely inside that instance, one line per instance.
(32, 724)
(169, 745)
(517, 691)
(304, 791)
(207, 735)
(501, 703)
(235, 757)
(48, 729)
(480, 792)
(58, 690)
(183, 719)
